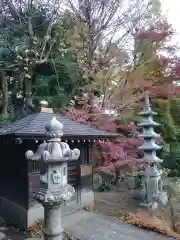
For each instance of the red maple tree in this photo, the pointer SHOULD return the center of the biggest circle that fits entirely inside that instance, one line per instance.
(171, 90)
(166, 59)
(122, 150)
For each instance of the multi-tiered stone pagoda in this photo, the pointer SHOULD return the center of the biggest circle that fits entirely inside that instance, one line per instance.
(152, 176)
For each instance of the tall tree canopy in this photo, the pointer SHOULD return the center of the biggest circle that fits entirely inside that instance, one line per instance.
(51, 50)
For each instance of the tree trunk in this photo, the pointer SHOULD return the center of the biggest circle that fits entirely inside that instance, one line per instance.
(28, 92)
(91, 102)
(4, 84)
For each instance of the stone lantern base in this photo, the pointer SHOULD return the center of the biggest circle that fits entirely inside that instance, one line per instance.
(37, 211)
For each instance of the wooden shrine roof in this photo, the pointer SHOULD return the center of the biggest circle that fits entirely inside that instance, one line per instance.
(34, 126)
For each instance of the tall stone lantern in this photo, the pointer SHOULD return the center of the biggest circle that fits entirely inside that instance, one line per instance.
(152, 176)
(53, 156)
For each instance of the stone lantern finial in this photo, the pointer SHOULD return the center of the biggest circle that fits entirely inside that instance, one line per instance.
(54, 128)
(146, 99)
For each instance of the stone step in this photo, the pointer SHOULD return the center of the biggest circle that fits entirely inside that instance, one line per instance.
(84, 225)
(90, 226)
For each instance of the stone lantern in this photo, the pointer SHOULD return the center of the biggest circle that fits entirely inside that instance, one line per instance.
(53, 156)
(152, 176)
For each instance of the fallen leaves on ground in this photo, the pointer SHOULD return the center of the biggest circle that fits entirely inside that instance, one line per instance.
(91, 209)
(145, 221)
(36, 228)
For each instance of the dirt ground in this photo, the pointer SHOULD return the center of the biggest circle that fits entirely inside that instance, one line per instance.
(120, 203)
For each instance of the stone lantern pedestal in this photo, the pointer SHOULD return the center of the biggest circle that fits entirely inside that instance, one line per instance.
(54, 189)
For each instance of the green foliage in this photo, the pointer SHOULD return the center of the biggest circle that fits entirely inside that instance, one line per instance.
(175, 113)
(168, 116)
(172, 160)
(5, 120)
(53, 71)
(168, 111)
(172, 186)
(175, 110)
(59, 87)
(164, 117)
(105, 187)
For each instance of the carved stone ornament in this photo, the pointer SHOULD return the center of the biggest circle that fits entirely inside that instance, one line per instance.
(65, 193)
(55, 177)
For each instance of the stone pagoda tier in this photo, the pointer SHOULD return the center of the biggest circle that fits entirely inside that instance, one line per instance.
(147, 124)
(152, 180)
